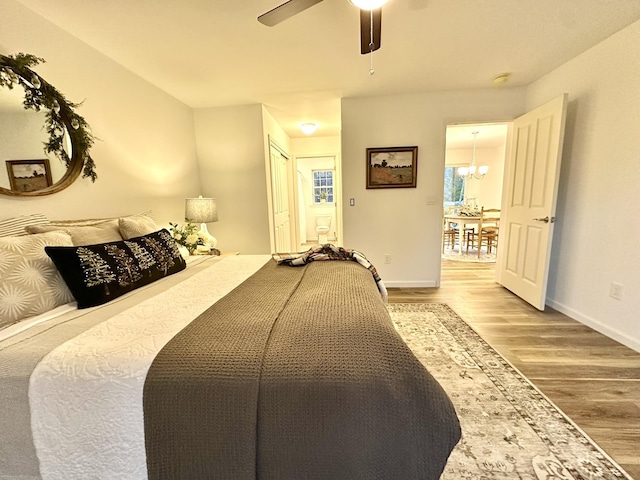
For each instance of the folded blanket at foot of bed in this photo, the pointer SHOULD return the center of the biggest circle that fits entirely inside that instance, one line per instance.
(331, 252)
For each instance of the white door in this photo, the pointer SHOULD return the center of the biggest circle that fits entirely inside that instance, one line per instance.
(280, 199)
(529, 203)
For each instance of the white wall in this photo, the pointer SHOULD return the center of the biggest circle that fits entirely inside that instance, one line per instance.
(231, 156)
(596, 235)
(145, 154)
(406, 222)
(315, 146)
(488, 190)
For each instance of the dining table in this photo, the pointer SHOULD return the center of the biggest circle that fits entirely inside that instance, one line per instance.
(462, 221)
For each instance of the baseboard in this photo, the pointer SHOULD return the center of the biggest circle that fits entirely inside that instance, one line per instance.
(596, 325)
(410, 284)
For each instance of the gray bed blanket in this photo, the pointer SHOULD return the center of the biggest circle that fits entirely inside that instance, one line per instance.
(296, 374)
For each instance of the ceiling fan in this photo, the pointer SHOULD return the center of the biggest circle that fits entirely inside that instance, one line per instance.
(370, 19)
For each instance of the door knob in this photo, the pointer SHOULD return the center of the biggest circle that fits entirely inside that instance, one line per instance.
(545, 219)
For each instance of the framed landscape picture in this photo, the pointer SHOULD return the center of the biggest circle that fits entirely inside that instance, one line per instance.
(392, 167)
(29, 175)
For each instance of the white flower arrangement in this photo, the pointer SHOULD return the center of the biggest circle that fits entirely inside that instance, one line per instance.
(187, 236)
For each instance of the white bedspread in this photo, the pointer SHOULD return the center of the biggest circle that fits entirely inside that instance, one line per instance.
(96, 379)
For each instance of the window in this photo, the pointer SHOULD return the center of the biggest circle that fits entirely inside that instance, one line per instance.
(453, 187)
(322, 186)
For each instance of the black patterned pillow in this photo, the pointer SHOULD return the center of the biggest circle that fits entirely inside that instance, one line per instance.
(96, 274)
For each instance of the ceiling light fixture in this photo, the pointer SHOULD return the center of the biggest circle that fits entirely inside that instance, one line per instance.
(308, 128)
(368, 4)
(470, 172)
(501, 78)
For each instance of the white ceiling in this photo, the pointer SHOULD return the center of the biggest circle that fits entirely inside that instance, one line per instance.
(213, 52)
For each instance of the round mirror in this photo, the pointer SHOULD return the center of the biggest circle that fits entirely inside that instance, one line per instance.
(44, 144)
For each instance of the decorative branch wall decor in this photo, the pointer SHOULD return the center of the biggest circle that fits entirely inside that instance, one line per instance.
(60, 116)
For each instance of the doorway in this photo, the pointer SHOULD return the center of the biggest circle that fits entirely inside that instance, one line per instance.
(317, 196)
(479, 145)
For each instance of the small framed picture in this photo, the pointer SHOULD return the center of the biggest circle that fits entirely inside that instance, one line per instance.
(392, 167)
(29, 175)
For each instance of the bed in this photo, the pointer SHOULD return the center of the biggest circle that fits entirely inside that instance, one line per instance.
(233, 368)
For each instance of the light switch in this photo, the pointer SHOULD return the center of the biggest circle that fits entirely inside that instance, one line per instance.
(352, 202)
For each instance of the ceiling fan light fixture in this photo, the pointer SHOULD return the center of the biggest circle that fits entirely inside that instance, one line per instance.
(368, 4)
(308, 128)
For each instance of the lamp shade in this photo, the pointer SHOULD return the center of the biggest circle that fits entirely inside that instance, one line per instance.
(201, 210)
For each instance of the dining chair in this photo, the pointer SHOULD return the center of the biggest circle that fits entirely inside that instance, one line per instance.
(450, 229)
(449, 233)
(487, 233)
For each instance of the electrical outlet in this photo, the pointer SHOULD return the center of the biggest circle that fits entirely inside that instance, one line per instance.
(616, 291)
(387, 258)
(352, 202)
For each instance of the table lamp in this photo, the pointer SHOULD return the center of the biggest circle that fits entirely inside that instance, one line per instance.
(202, 210)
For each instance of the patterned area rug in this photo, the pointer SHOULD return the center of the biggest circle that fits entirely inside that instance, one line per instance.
(472, 256)
(510, 430)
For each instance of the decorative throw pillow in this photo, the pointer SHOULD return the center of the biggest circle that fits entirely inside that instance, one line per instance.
(29, 282)
(106, 231)
(17, 225)
(137, 225)
(96, 274)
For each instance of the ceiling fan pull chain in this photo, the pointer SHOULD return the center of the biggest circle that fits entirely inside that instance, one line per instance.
(371, 44)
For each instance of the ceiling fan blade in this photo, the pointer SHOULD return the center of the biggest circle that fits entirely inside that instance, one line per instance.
(285, 11)
(365, 30)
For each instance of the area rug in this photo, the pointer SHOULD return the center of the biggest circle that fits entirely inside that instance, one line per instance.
(510, 430)
(472, 256)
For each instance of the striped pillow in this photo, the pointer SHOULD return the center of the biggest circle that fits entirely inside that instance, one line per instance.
(84, 234)
(16, 226)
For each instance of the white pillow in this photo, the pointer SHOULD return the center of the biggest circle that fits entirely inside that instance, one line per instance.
(29, 281)
(137, 225)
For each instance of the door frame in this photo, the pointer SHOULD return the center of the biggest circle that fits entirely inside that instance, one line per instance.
(509, 125)
(337, 193)
(507, 169)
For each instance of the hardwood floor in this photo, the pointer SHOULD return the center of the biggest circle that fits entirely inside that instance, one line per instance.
(593, 379)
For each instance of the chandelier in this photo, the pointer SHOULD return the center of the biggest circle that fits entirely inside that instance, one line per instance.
(473, 171)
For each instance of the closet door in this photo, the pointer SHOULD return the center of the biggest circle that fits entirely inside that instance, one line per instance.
(280, 199)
